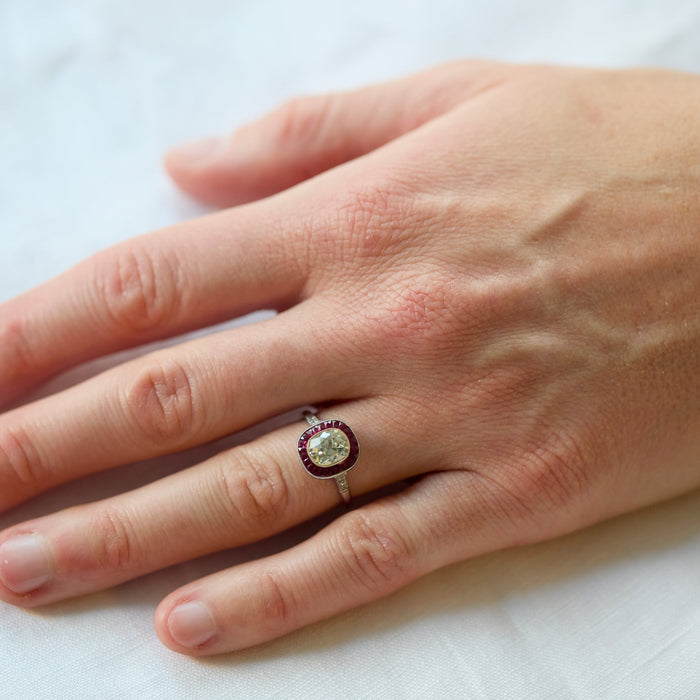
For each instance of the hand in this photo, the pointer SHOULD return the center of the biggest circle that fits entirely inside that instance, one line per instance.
(497, 288)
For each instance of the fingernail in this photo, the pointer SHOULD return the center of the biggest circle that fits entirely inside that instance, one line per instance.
(191, 624)
(199, 152)
(24, 563)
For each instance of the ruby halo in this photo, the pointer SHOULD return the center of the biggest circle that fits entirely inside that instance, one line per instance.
(328, 472)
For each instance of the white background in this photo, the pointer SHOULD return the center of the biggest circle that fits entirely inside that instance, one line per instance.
(91, 93)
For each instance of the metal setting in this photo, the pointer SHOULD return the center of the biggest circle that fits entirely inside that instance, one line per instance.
(337, 471)
(311, 418)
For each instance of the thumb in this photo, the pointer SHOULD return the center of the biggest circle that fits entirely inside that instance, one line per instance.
(308, 135)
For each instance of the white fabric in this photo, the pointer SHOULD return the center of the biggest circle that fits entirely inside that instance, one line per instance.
(91, 93)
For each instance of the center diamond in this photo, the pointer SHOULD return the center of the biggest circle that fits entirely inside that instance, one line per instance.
(329, 447)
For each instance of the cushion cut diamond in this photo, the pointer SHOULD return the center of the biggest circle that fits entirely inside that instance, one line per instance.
(329, 447)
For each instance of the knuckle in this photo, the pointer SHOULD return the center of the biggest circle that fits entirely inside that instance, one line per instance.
(115, 542)
(365, 222)
(554, 474)
(16, 352)
(163, 402)
(137, 288)
(526, 500)
(276, 603)
(378, 557)
(419, 306)
(255, 492)
(372, 215)
(420, 314)
(22, 459)
(499, 502)
(299, 119)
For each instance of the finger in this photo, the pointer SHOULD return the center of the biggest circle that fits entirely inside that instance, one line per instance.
(154, 286)
(360, 557)
(171, 400)
(243, 495)
(309, 135)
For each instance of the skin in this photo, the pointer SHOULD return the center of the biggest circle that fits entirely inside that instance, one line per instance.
(490, 272)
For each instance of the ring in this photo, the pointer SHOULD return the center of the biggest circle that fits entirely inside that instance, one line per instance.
(328, 449)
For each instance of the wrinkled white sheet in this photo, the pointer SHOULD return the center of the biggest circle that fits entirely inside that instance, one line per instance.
(91, 93)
